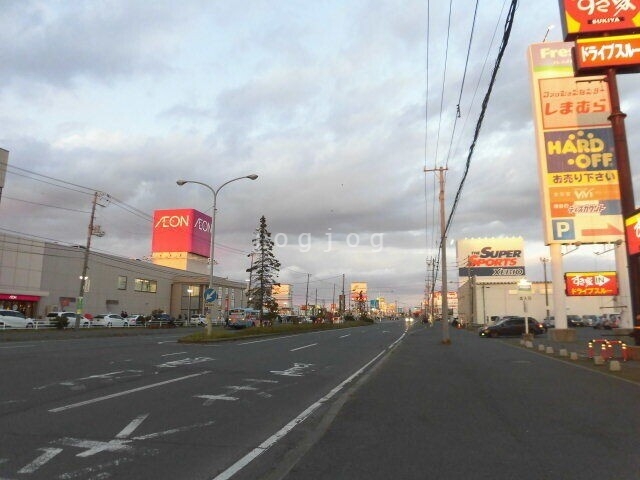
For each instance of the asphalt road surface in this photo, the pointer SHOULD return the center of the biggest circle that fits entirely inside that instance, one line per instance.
(376, 402)
(149, 407)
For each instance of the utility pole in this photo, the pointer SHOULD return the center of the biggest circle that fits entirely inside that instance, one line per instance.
(85, 264)
(306, 300)
(343, 303)
(443, 259)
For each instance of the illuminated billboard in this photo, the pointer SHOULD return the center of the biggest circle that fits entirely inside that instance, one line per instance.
(591, 284)
(181, 230)
(281, 289)
(622, 52)
(598, 17)
(577, 166)
(632, 227)
(358, 288)
(497, 258)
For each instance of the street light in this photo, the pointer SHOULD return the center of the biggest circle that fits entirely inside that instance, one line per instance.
(544, 261)
(213, 227)
(189, 291)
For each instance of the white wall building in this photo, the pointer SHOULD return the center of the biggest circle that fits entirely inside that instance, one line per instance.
(37, 277)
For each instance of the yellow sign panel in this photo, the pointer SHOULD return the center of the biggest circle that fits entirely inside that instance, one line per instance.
(576, 156)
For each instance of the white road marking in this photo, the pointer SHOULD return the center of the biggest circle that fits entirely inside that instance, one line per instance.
(135, 423)
(48, 454)
(125, 392)
(173, 430)
(344, 336)
(256, 380)
(101, 375)
(95, 446)
(264, 340)
(17, 346)
(306, 346)
(237, 388)
(107, 376)
(272, 440)
(170, 354)
(295, 371)
(184, 361)
(209, 399)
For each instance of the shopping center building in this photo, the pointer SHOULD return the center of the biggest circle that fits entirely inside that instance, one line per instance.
(37, 277)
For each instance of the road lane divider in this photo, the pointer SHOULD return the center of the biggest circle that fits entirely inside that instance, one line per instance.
(300, 348)
(125, 392)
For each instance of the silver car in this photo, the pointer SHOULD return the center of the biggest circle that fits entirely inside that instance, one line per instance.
(109, 320)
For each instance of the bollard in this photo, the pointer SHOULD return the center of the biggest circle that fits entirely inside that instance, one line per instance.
(598, 360)
(614, 366)
(528, 344)
(563, 352)
(574, 356)
(541, 347)
(550, 350)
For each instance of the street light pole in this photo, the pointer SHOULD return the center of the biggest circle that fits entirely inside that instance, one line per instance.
(544, 261)
(213, 228)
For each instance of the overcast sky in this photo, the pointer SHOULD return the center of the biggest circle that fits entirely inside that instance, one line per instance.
(325, 101)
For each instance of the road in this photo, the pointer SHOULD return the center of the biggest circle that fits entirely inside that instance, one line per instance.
(371, 403)
(149, 407)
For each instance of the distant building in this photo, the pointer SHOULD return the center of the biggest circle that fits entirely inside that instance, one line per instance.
(37, 277)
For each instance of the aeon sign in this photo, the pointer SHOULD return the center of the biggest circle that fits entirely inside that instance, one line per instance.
(183, 230)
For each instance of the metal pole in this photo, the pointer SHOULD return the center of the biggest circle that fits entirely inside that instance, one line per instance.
(544, 261)
(213, 230)
(627, 201)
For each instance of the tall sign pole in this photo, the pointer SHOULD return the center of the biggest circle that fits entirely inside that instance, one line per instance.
(627, 200)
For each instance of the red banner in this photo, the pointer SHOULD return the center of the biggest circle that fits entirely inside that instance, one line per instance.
(591, 284)
(632, 227)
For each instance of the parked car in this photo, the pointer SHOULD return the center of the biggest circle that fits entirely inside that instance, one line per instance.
(511, 326)
(68, 320)
(606, 323)
(161, 320)
(109, 320)
(589, 320)
(550, 322)
(199, 319)
(575, 321)
(15, 319)
(135, 320)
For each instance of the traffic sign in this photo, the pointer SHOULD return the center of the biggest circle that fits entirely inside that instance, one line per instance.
(210, 295)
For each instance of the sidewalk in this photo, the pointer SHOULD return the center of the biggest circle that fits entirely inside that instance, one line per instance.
(629, 370)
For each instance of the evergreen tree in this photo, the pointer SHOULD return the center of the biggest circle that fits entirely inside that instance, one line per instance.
(264, 271)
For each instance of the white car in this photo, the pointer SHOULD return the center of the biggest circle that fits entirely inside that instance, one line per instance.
(52, 319)
(198, 319)
(109, 320)
(14, 319)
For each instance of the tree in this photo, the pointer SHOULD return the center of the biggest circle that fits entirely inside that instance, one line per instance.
(264, 271)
